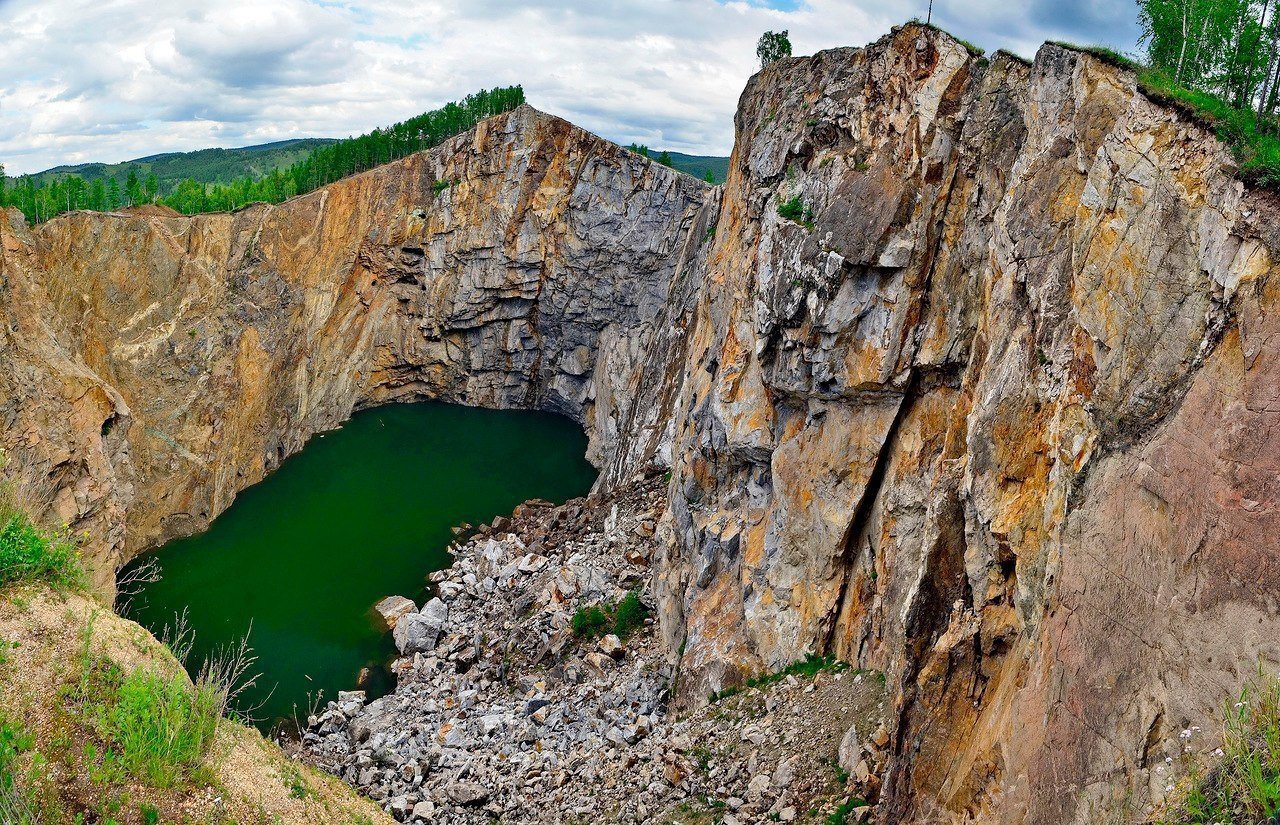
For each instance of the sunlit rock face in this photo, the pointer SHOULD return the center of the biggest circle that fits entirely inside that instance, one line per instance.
(994, 411)
(968, 373)
(160, 365)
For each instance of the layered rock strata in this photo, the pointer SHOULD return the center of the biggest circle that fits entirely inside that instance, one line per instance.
(157, 366)
(967, 374)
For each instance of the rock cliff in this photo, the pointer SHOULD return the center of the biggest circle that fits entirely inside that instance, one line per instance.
(968, 373)
(159, 365)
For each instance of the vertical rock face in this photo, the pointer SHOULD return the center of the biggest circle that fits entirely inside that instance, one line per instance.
(968, 373)
(977, 389)
(161, 365)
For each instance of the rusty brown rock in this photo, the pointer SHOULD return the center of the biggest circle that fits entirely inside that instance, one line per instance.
(996, 413)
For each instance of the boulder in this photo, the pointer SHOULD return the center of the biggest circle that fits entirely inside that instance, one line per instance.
(612, 646)
(419, 632)
(850, 750)
(393, 608)
(467, 793)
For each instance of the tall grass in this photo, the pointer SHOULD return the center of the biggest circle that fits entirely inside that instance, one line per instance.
(158, 728)
(28, 553)
(1243, 785)
(17, 804)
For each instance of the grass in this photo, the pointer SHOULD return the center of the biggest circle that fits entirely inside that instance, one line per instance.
(1106, 54)
(1243, 785)
(1254, 142)
(155, 728)
(30, 554)
(596, 620)
(1256, 145)
(159, 728)
(18, 804)
(844, 811)
(975, 51)
(808, 667)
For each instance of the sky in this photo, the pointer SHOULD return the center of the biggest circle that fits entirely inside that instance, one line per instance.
(112, 80)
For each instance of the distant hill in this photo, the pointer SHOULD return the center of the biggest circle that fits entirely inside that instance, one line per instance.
(205, 166)
(697, 165)
(223, 166)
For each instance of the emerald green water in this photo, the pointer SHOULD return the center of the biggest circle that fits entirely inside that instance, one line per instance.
(361, 513)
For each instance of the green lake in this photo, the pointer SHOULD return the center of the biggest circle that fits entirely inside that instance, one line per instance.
(361, 513)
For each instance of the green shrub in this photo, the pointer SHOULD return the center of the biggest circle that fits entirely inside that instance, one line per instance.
(630, 615)
(1244, 784)
(792, 210)
(589, 622)
(844, 811)
(595, 620)
(28, 553)
(440, 185)
(158, 729)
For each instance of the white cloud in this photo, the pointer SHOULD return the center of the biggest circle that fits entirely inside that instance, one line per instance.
(110, 80)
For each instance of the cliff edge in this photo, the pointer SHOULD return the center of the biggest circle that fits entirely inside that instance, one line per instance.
(967, 374)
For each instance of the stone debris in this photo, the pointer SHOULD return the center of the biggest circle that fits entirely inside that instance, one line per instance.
(393, 608)
(501, 712)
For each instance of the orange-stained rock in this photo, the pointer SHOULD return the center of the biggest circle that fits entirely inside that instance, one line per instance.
(996, 413)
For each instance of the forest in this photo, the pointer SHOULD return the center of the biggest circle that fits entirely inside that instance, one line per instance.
(41, 199)
(1220, 58)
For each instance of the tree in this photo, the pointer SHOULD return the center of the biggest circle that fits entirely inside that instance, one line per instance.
(772, 47)
(665, 158)
(1224, 47)
(132, 188)
(709, 177)
(3, 198)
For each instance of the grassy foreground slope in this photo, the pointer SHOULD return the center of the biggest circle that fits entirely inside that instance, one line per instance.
(93, 724)
(99, 721)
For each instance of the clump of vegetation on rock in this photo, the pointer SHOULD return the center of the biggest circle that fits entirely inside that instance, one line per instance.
(1243, 783)
(30, 554)
(795, 210)
(808, 667)
(589, 622)
(593, 621)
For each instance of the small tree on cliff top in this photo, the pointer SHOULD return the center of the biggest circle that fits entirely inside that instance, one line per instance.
(772, 47)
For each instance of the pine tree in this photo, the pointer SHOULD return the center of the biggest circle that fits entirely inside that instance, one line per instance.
(709, 177)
